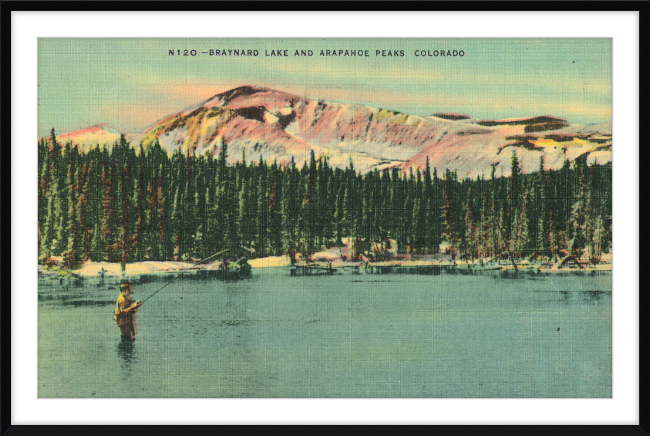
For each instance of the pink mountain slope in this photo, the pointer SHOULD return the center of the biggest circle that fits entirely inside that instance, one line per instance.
(102, 134)
(272, 124)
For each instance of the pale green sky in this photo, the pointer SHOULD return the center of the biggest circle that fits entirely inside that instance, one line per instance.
(131, 83)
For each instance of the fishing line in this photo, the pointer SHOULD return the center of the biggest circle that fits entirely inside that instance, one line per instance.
(179, 275)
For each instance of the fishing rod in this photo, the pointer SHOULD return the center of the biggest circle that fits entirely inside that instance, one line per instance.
(169, 282)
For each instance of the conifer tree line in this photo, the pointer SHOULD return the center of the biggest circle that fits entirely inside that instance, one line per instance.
(119, 204)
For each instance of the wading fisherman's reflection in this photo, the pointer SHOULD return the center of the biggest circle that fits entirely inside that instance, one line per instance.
(125, 311)
(126, 350)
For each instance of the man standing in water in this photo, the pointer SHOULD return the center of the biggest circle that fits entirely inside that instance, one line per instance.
(125, 311)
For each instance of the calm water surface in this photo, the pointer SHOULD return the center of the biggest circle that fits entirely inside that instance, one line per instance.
(483, 335)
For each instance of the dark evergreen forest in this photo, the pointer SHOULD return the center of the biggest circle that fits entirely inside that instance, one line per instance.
(121, 204)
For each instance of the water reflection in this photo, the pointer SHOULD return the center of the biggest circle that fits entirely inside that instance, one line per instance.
(281, 338)
(127, 352)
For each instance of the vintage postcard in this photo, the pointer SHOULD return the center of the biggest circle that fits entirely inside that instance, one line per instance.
(325, 218)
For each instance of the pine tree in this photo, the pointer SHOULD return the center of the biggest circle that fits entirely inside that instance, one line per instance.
(309, 204)
(138, 205)
(520, 228)
(406, 231)
(152, 218)
(562, 207)
(275, 209)
(108, 215)
(72, 256)
(124, 236)
(348, 222)
(579, 212)
(63, 204)
(189, 215)
(43, 188)
(546, 240)
(436, 212)
(177, 225)
(49, 232)
(263, 244)
(485, 238)
(85, 185)
(210, 228)
(450, 232)
(98, 160)
(605, 177)
(163, 211)
(326, 198)
(339, 214)
(227, 199)
(417, 225)
(244, 219)
(516, 189)
(470, 235)
(289, 218)
(201, 196)
(96, 244)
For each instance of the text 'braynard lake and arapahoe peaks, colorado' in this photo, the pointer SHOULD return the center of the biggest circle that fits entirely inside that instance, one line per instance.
(442, 53)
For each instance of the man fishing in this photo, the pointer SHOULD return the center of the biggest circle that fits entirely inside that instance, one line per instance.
(125, 310)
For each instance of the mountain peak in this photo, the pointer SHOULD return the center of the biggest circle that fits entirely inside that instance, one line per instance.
(241, 91)
(101, 129)
(248, 96)
(97, 134)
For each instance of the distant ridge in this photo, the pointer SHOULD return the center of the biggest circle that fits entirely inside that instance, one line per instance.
(450, 116)
(271, 124)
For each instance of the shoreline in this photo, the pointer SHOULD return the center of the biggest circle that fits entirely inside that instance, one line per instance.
(91, 272)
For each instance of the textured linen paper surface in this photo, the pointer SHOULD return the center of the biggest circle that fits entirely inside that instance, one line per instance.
(345, 218)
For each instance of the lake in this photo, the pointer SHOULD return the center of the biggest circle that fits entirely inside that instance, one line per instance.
(488, 334)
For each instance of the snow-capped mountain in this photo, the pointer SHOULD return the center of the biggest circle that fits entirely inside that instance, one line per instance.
(278, 125)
